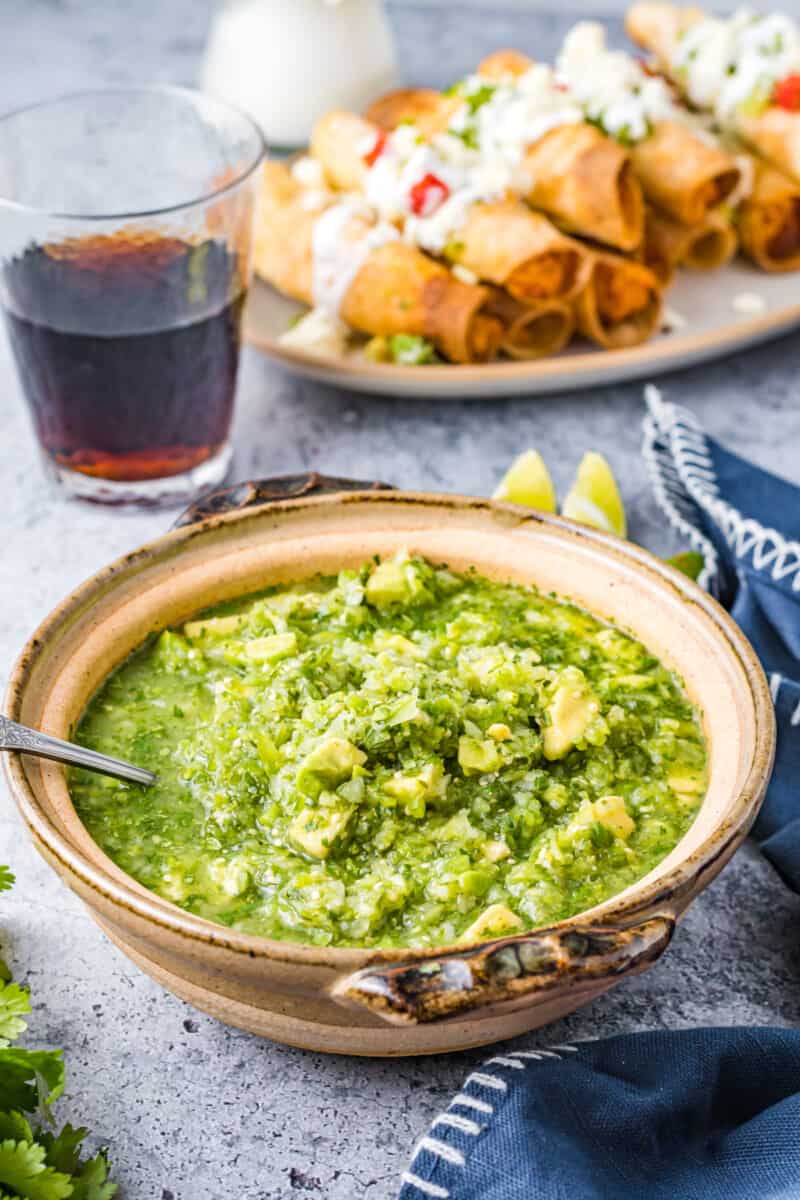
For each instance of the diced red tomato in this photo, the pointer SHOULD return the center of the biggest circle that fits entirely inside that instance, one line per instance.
(426, 195)
(378, 147)
(787, 93)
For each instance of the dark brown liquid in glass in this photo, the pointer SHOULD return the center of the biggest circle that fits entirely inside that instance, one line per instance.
(127, 346)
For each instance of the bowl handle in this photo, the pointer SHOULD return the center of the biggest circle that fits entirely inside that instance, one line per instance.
(257, 492)
(530, 964)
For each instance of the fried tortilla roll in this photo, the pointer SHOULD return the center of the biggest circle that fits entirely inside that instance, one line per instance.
(504, 64)
(573, 173)
(532, 330)
(382, 285)
(707, 58)
(683, 174)
(702, 247)
(429, 110)
(621, 304)
(400, 290)
(502, 242)
(769, 220)
(522, 251)
(679, 172)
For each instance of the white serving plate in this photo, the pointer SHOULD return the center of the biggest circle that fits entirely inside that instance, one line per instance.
(713, 328)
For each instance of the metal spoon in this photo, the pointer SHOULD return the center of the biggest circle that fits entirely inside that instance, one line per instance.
(30, 741)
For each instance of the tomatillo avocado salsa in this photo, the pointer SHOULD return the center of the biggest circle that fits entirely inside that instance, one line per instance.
(396, 756)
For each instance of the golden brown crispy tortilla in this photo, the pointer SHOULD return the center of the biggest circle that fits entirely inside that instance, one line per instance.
(774, 133)
(705, 246)
(769, 220)
(533, 330)
(683, 174)
(621, 305)
(397, 289)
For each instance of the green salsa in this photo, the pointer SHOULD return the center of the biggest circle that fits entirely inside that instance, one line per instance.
(395, 756)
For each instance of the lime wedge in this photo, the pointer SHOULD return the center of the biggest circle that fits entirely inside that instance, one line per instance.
(527, 481)
(594, 497)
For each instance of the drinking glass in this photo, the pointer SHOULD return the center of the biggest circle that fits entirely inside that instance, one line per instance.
(126, 222)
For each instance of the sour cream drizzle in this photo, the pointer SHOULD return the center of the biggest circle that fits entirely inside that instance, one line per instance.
(338, 256)
(732, 66)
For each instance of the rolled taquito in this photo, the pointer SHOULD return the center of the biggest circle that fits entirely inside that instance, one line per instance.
(702, 247)
(744, 69)
(572, 173)
(501, 242)
(532, 331)
(680, 172)
(381, 285)
(507, 244)
(621, 304)
(768, 219)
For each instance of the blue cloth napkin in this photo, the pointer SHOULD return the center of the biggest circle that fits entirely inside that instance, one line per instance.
(703, 1114)
(728, 510)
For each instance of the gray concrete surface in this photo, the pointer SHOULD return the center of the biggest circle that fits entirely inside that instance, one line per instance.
(195, 1111)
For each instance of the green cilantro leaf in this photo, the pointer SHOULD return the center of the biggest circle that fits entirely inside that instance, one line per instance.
(63, 1149)
(480, 96)
(24, 1170)
(412, 351)
(468, 136)
(92, 1182)
(453, 251)
(14, 1003)
(36, 1164)
(29, 1079)
(15, 1128)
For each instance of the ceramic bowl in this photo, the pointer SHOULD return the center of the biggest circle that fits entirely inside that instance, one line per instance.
(368, 1001)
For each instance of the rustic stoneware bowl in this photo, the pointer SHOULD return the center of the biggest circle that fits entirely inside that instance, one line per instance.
(388, 1002)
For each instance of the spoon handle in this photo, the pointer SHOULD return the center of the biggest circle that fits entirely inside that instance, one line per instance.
(29, 741)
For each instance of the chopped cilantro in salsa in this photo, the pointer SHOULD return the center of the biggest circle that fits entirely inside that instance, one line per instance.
(398, 756)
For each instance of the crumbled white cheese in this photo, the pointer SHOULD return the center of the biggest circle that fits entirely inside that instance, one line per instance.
(318, 333)
(478, 158)
(464, 274)
(729, 64)
(612, 86)
(308, 172)
(314, 199)
(673, 320)
(749, 303)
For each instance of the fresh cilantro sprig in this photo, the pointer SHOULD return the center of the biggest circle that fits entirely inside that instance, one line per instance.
(35, 1162)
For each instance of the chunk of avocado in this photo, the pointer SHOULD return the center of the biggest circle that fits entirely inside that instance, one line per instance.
(215, 626)
(387, 585)
(478, 757)
(571, 711)
(494, 921)
(412, 789)
(611, 812)
(686, 782)
(495, 851)
(398, 643)
(332, 761)
(267, 649)
(314, 830)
